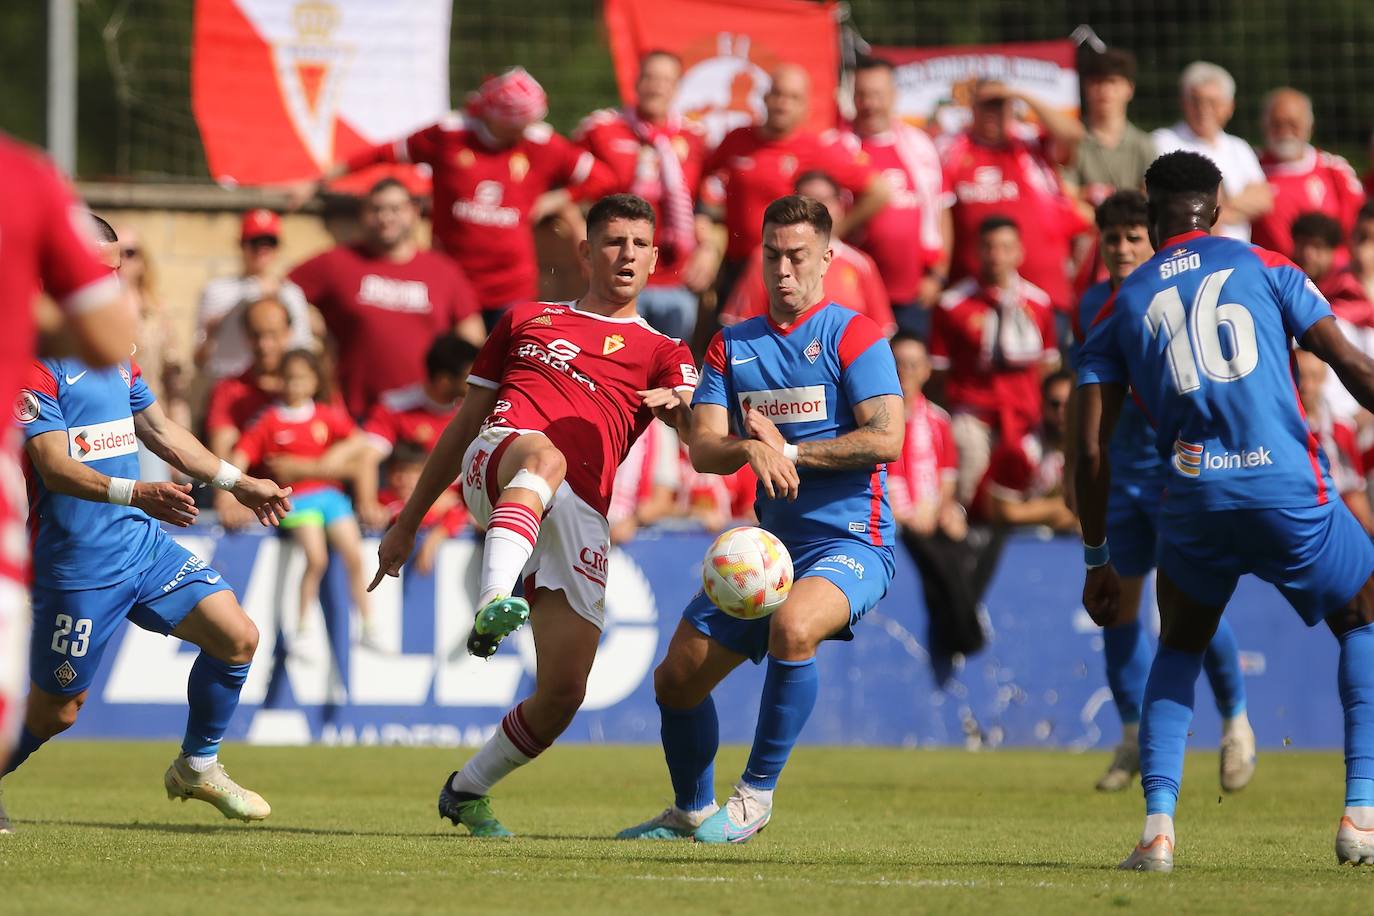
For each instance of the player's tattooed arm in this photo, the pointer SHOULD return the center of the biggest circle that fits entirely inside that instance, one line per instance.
(878, 438)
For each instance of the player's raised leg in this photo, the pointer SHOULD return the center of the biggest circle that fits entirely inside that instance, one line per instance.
(815, 608)
(690, 732)
(227, 638)
(529, 470)
(565, 646)
(1354, 628)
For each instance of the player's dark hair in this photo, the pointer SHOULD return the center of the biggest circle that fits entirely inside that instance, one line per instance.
(870, 62)
(794, 209)
(323, 390)
(659, 52)
(997, 221)
(815, 175)
(386, 184)
(1109, 63)
(1054, 378)
(248, 310)
(618, 206)
(104, 232)
(1182, 172)
(448, 353)
(1317, 226)
(407, 453)
(1366, 212)
(1122, 210)
(906, 337)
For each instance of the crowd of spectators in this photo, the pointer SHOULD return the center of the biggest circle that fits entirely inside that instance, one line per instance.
(968, 248)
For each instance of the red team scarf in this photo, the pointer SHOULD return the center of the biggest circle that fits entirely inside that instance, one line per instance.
(678, 235)
(514, 97)
(1011, 335)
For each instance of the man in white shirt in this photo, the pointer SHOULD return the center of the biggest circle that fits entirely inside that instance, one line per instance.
(222, 347)
(1208, 95)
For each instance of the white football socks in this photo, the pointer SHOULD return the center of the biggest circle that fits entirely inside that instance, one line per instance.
(762, 796)
(497, 759)
(1240, 722)
(202, 764)
(512, 533)
(1360, 816)
(1155, 824)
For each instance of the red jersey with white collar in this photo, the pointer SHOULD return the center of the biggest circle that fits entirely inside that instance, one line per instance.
(1319, 182)
(929, 457)
(573, 376)
(408, 416)
(305, 432)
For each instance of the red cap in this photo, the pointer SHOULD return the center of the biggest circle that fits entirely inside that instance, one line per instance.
(259, 224)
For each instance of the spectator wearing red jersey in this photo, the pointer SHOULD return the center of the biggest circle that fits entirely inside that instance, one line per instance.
(1024, 484)
(991, 340)
(756, 165)
(384, 298)
(414, 416)
(445, 519)
(911, 238)
(852, 280)
(992, 171)
(1337, 438)
(304, 424)
(645, 486)
(1302, 178)
(491, 164)
(657, 155)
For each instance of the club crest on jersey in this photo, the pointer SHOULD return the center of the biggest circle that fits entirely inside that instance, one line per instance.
(813, 350)
(519, 166)
(319, 431)
(128, 378)
(26, 407)
(65, 674)
(465, 158)
(613, 343)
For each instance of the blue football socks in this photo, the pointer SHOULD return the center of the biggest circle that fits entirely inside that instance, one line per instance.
(28, 743)
(1127, 654)
(1222, 664)
(1355, 678)
(690, 740)
(789, 695)
(212, 692)
(1164, 727)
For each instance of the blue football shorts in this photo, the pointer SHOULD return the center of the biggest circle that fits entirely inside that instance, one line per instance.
(860, 570)
(1132, 525)
(1317, 557)
(71, 627)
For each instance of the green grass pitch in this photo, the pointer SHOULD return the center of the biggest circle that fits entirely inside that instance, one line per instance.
(855, 831)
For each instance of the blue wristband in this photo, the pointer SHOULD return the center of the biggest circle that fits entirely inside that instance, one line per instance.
(1093, 557)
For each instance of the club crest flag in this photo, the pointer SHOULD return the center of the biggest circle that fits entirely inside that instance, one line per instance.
(728, 48)
(282, 88)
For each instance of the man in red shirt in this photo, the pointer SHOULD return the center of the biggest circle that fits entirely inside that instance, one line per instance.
(491, 165)
(1024, 484)
(658, 155)
(991, 339)
(557, 396)
(991, 170)
(1303, 178)
(760, 163)
(384, 298)
(911, 238)
(45, 244)
(852, 280)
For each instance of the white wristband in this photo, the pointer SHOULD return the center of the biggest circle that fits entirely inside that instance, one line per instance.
(121, 491)
(227, 477)
(789, 451)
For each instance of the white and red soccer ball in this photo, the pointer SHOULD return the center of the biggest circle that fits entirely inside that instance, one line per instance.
(747, 573)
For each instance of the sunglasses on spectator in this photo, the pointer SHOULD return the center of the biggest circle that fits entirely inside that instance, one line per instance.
(263, 241)
(130, 252)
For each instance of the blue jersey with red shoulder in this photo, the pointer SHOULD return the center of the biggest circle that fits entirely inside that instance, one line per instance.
(807, 378)
(78, 543)
(1132, 452)
(1203, 332)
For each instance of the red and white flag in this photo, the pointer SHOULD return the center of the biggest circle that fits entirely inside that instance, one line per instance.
(281, 89)
(728, 48)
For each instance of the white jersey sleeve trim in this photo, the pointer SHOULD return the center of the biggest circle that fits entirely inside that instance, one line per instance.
(483, 382)
(93, 295)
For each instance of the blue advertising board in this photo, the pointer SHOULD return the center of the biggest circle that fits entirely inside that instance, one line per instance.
(1039, 682)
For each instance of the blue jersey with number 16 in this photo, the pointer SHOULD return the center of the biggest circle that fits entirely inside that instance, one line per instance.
(1203, 332)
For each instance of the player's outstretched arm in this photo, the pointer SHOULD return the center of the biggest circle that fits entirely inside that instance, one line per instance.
(175, 445)
(61, 473)
(715, 451)
(1098, 407)
(877, 438)
(1353, 368)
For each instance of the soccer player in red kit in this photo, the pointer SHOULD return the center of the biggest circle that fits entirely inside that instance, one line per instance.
(491, 164)
(557, 396)
(44, 245)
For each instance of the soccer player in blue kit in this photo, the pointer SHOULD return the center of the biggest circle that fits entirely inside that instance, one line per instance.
(100, 556)
(826, 376)
(1138, 480)
(1203, 332)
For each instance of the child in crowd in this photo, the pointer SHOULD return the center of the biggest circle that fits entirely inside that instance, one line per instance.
(445, 518)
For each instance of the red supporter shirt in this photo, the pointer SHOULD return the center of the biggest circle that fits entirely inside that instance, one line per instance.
(451, 517)
(574, 376)
(1348, 297)
(757, 171)
(852, 281)
(407, 415)
(383, 314)
(483, 196)
(44, 246)
(1020, 182)
(904, 238)
(1343, 455)
(1319, 182)
(305, 432)
(635, 165)
(993, 376)
(1020, 470)
(236, 402)
(929, 458)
